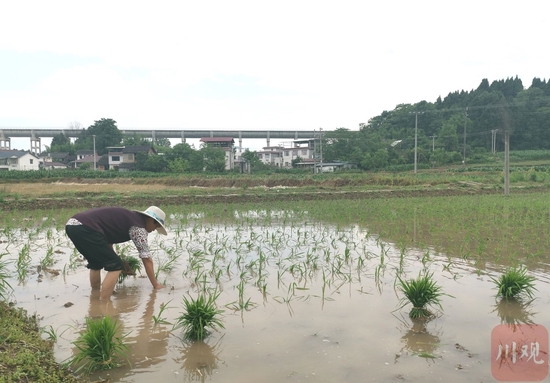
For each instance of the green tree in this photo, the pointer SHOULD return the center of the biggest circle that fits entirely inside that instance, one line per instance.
(178, 165)
(106, 134)
(377, 160)
(182, 151)
(61, 143)
(214, 159)
(448, 135)
(150, 163)
(296, 161)
(255, 163)
(163, 142)
(136, 140)
(339, 144)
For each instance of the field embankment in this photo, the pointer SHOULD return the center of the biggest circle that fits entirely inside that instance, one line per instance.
(88, 193)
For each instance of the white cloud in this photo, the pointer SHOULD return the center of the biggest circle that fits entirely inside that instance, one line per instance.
(262, 65)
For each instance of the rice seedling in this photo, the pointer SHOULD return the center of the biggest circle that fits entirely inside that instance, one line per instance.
(515, 283)
(50, 332)
(200, 314)
(48, 259)
(5, 287)
(132, 267)
(23, 261)
(74, 260)
(421, 292)
(158, 319)
(99, 346)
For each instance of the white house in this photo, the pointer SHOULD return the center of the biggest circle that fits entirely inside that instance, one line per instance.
(271, 155)
(305, 149)
(282, 156)
(18, 160)
(115, 156)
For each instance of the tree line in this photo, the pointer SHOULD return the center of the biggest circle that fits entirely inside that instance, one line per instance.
(463, 126)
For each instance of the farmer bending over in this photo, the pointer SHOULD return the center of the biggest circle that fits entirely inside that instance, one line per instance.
(93, 233)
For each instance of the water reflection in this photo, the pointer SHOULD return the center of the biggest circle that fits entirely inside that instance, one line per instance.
(147, 341)
(199, 360)
(149, 346)
(514, 311)
(417, 340)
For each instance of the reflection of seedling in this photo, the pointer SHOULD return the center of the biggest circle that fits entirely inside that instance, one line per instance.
(512, 311)
(201, 313)
(515, 283)
(99, 346)
(421, 293)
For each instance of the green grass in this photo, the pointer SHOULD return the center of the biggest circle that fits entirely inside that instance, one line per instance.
(515, 283)
(200, 314)
(99, 346)
(24, 355)
(421, 293)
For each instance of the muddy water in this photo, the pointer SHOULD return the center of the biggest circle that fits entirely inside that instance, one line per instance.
(324, 308)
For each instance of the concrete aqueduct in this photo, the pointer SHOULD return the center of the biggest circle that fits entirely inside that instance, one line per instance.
(35, 135)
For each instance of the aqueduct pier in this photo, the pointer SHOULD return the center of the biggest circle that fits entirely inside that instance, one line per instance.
(35, 134)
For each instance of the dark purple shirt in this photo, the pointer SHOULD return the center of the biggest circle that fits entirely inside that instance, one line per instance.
(113, 222)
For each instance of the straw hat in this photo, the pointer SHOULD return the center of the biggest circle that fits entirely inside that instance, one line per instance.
(158, 215)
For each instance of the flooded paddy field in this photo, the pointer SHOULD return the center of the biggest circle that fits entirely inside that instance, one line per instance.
(309, 290)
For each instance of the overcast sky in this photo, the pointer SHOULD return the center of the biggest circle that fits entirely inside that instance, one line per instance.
(263, 65)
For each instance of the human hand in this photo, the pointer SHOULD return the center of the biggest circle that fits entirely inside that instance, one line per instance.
(159, 286)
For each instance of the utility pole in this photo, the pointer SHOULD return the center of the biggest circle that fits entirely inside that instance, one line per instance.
(321, 146)
(506, 162)
(433, 143)
(465, 121)
(416, 140)
(94, 152)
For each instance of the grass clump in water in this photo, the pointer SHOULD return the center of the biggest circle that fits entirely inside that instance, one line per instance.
(515, 283)
(99, 346)
(200, 314)
(422, 293)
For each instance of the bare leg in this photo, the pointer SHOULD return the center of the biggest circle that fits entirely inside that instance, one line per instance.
(95, 279)
(109, 283)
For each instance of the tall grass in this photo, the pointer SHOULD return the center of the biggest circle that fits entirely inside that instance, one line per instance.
(100, 346)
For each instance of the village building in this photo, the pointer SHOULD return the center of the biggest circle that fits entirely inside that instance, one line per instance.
(18, 160)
